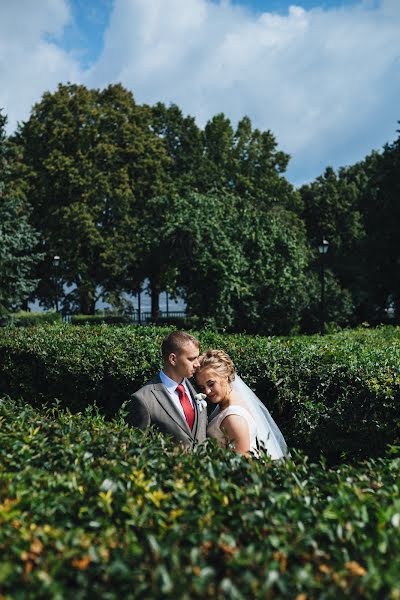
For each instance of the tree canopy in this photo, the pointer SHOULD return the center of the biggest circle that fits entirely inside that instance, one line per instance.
(18, 239)
(92, 161)
(127, 193)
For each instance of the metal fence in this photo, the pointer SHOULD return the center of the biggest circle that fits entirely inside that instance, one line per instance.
(144, 317)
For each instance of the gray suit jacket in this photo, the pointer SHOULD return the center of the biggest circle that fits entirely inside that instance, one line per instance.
(152, 405)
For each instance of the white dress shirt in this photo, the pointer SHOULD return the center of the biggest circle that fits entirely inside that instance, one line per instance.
(171, 385)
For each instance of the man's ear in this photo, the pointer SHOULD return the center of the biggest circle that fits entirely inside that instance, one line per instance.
(172, 359)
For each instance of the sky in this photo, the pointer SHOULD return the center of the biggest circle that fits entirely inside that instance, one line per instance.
(322, 75)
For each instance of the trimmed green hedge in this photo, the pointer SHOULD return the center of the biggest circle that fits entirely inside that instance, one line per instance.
(339, 394)
(90, 509)
(100, 319)
(27, 318)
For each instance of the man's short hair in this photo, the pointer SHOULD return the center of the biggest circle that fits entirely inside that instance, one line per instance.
(174, 342)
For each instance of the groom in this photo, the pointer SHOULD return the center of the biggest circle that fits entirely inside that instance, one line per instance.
(167, 401)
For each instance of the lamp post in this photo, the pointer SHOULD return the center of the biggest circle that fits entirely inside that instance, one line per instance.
(56, 263)
(139, 304)
(323, 249)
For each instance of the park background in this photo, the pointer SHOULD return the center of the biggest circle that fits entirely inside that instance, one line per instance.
(243, 158)
(202, 151)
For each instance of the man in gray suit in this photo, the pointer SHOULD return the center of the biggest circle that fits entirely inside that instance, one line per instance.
(168, 401)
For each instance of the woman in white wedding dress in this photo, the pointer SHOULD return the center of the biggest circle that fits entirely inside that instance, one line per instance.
(240, 417)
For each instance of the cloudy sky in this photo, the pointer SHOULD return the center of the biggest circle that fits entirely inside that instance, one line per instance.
(322, 75)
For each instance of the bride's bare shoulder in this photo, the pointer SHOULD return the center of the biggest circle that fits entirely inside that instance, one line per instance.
(235, 399)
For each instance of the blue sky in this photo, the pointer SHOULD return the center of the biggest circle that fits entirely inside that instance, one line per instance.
(322, 75)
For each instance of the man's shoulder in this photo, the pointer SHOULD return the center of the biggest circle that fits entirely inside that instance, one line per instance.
(147, 386)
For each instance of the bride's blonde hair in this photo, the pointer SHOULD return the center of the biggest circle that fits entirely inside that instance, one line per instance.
(219, 361)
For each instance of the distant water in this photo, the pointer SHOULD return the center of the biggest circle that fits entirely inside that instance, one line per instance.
(178, 304)
(146, 303)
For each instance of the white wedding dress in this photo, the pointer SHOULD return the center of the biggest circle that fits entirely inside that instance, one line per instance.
(214, 427)
(263, 431)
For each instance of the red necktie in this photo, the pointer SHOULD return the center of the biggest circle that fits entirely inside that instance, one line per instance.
(186, 405)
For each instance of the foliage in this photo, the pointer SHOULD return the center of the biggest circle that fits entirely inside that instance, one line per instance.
(211, 257)
(128, 193)
(232, 276)
(91, 161)
(27, 318)
(276, 287)
(357, 211)
(184, 144)
(331, 211)
(95, 509)
(242, 161)
(338, 394)
(18, 240)
(379, 202)
(98, 319)
(338, 306)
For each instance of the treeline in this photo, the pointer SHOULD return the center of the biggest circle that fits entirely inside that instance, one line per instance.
(127, 193)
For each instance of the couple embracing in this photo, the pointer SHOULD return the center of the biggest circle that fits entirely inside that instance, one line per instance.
(170, 402)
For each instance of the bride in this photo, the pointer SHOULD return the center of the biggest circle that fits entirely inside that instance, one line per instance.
(240, 417)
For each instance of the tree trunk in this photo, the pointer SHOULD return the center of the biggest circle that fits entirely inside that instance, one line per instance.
(155, 300)
(87, 301)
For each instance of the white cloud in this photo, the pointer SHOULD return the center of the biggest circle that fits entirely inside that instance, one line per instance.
(30, 63)
(326, 82)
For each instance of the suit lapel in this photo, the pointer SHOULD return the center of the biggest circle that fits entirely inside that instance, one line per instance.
(172, 411)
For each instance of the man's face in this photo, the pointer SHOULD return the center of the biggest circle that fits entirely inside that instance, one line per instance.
(187, 361)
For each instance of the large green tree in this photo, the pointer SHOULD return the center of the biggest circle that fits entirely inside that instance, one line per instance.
(18, 240)
(331, 211)
(183, 141)
(244, 161)
(207, 170)
(380, 208)
(240, 267)
(91, 161)
(278, 256)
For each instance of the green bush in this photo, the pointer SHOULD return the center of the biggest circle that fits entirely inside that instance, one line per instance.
(99, 319)
(90, 508)
(184, 323)
(27, 318)
(339, 394)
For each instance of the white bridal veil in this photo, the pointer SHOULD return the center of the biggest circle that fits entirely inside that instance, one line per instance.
(269, 437)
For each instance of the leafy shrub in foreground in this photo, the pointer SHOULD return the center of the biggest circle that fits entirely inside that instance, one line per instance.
(90, 508)
(337, 394)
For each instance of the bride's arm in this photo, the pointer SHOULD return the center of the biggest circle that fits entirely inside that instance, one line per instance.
(237, 431)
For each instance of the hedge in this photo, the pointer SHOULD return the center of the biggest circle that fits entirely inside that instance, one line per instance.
(338, 394)
(99, 319)
(28, 318)
(90, 508)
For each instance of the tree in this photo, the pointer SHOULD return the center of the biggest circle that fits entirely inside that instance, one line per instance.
(331, 210)
(18, 240)
(184, 144)
(244, 161)
(259, 168)
(211, 261)
(154, 247)
(247, 163)
(91, 163)
(277, 256)
(380, 207)
(241, 267)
